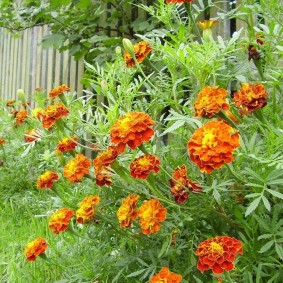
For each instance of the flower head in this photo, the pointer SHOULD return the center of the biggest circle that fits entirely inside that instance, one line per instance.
(213, 145)
(76, 168)
(53, 113)
(218, 254)
(166, 276)
(131, 129)
(127, 212)
(21, 116)
(35, 248)
(45, 181)
(210, 101)
(37, 112)
(10, 103)
(207, 24)
(59, 221)
(86, 211)
(2, 140)
(151, 213)
(32, 135)
(58, 91)
(67, 144)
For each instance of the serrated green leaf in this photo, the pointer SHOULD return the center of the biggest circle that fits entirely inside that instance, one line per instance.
(265, 236)
(274, 193)
(175, 126)
(279, 250)
(254, 204)
(136, 273)
(266, 247)
(266, 203)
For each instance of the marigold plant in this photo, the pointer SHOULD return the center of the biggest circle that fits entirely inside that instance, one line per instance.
(37, 112)
(86, 210)
(2, 140)
(45, 181)
(53, 113)
(35, 248)
(166, 276)
(21, 116)
(59, 221)
(67, 144)
(57, 91)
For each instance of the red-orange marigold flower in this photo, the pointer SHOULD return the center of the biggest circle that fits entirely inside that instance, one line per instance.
(76, 168)
(53, 113)
(178, 1)
(151, 213)
(21, 116)
(210, 101)
(67, 144)
(32, 135)
(143, 165)
(10, 103)
(218, 254)
(86, 210)
(132, 129)
(213, 145)
(45, 181)
(127, 212)
(207, 24)
(166, 276)
(250, 97)
(2, 141)
(58, 90)
(141, 50)
(59, 221)
(35, 248)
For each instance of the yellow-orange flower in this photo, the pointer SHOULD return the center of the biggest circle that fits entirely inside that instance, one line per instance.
(35, 248)
(21, 116)
(143, 165)
(131, 129)
(141, 50)
(45, 181)
(32, 135)
(151, 213)
(213, 145)
(207, 24)
(127, 212)
(37, 112)
(10, 103)
(250, 97)
(76, 168)
(86, 210)
(210, 101)
(67, 144)
(2, 141)
(58, 90)
(218, 254)
(59, 221)
(166, 276)
(53, 113)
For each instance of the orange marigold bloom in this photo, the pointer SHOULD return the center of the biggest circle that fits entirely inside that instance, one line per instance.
(53, 113)
(166, 276)
(143, 165)
(250, 97)
(21, 116)
(131, 129)
(2, 141)
(59, 221)
(35, 248)
(180, 183)
(76, 168)
(141, 50)
(10, 103)
(67, 144)
(127, 212)
(210, 101)
(46, 180)
(86, 210)
(103, 177)
(218, 254)
(14, 112)
(32, 135)
(37, 112)
(207, 24)
(58, 91)
(213, 145)
(151, 213)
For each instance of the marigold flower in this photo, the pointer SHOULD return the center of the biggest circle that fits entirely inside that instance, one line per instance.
(14, 112)
(53, 113)
(32, 135)
(2, 140)
(37, 112)
(76, 168)
(166, 276)
(127, 212)
(58, 91)
(45, 181)
(131, 129)
(86, 210)
(35, 248)
(218, 254)
(21, 116)
(143, 165)
(67, 144)
(207, 24)
(59, 221)
(250, 97)
(210, 101)
(141, 50)
(151, 213)
(253, 53)
(213, 145)
(103, 177)
(10, 103)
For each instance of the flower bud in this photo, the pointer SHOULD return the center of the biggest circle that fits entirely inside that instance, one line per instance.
(128, 47)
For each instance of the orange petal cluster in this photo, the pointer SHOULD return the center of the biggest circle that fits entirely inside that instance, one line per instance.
(210, 101)
(76, 168)
(213, 145)
(32, 135)
(151, 213)
(45, 181)
(141, 50)
(166, 276)
(218, 254)
(180, 183)
(35, 248)
(10, 103)
(21, 116)
(127, 212)
(55, 92)
(132, 129)
(53, 113)
(86, 211)
(143, 165)
(67, 144)
(178, 1)
(250, 97)
(59, 221)
(2, 141)
(206, 24)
